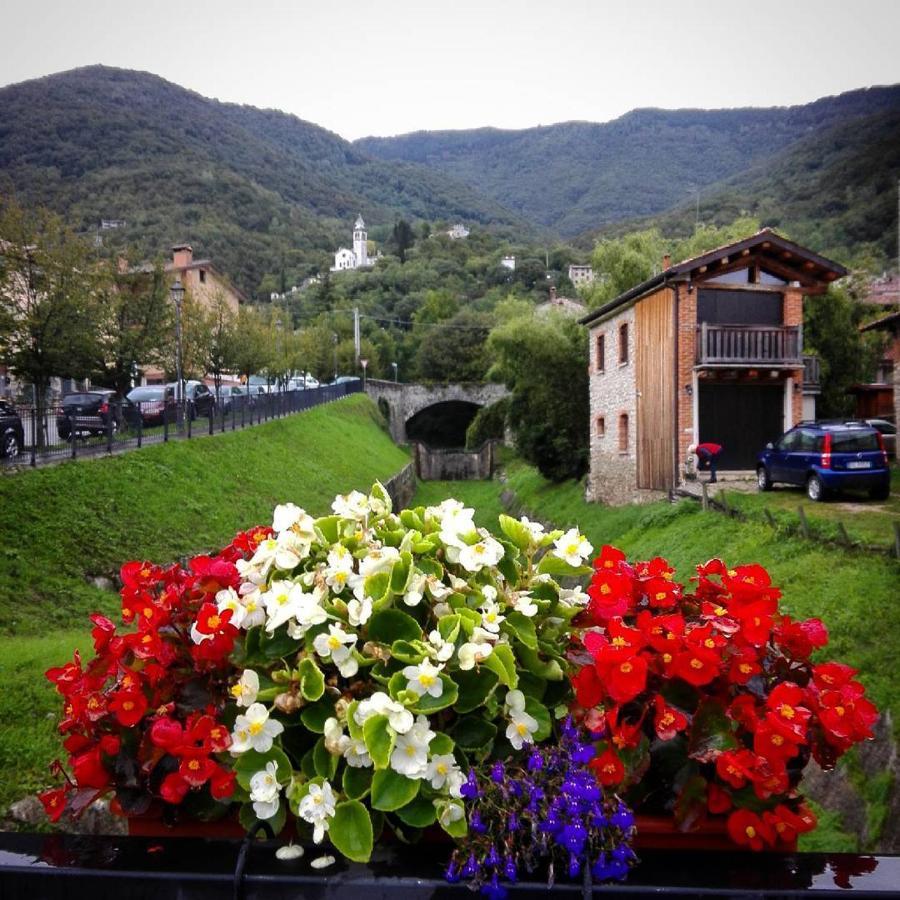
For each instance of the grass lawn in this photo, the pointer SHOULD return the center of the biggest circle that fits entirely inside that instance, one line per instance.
(60, 524)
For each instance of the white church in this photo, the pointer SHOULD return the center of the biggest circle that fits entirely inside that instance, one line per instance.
(358, 257)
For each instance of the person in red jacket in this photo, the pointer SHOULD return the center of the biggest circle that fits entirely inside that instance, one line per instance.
(707, 455)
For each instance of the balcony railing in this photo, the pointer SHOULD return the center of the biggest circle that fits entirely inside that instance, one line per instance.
(812, 375)
(748, 345)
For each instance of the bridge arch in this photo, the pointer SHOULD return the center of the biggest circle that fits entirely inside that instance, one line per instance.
(404, 401)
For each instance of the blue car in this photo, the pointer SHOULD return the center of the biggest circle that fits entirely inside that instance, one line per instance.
(827, 458)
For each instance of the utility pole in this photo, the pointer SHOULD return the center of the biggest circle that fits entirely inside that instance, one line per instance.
(356, 333)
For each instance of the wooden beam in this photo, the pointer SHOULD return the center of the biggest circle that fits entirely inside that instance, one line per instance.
(745, 251)
(702, 269)
(723, 261)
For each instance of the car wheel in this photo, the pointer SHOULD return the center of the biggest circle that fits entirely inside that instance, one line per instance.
(815, 490)
(10, 445)
(763, 482)
(880, 493)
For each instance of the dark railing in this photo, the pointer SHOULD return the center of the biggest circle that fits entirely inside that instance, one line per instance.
(748, 344)
(812, 374)
(52, 433)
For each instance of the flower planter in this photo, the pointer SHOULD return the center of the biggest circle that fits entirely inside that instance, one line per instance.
(153, 826)
(661, 833)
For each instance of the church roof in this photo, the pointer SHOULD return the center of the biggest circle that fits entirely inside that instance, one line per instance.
(359, 222)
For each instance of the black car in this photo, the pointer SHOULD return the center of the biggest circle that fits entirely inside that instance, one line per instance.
(153, 403)
(200, 399)
(12, 435)
(90, 412)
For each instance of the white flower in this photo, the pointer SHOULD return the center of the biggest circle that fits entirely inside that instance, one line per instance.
(351, 506)
(357, 755)
(410, 756)
(317, 808)
(264, 792)
(289, 851)
(535, 529)
(399, 717)
(525, 605)
(521, 729)
(515, 701)
(378, 560)
(246, 689)
(229, 599)
(472, 652)
(336, 742)
(359, 611)
(338, 646)
(441, 770)
(440, 649)
(573, 596)
(424, 679)
(451, 813)
(254, 730)
(254, 608)
(339, 568)
(415, 590)
(322, 862)
(490, 617)
(286, 515)
(282, 601)
(284, 552)
(487, 552)
(572, 547)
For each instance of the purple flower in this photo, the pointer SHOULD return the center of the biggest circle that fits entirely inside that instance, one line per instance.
(535, 761)
(452, 872)
(469, 788)
(493, 889)
(574, 866)
(510, 871)
(498, 772)
(476, 824)
(471, 868)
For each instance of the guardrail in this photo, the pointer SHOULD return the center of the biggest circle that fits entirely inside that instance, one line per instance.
(53, 433)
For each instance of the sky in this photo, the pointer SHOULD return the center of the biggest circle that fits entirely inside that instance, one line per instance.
(388, 67)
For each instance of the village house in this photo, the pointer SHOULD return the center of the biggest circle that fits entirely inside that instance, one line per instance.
(710, 349)
(346, 259)
(509, 262)
(880, 399)
(579, 275)
(458, 232)
(201, 279)
(556, 304)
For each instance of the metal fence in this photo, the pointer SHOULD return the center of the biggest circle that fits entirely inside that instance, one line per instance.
(54, 433)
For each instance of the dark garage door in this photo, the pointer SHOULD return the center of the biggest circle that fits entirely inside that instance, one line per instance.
(742, 418)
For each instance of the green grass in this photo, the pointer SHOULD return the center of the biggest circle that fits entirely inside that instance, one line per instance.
(57, 525)
(61, 524)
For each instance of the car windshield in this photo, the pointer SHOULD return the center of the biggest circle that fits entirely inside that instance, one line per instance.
(140, 394)
(854, 441)
(76, 399)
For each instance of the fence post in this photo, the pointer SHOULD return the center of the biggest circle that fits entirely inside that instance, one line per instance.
(71, 418)
(804, 525)
(166, 422)
(704, 500)
(212, 417)
(188, 414)
(33, 436)
(140, 426)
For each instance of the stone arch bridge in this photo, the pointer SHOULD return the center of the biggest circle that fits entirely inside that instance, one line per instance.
(405, 401)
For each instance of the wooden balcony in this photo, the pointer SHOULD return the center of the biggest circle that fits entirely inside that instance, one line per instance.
(748, 345)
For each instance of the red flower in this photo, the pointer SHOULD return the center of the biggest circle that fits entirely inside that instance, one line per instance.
(696, 667)
(718, 800)
(196, 767)
(129, 707)
(54, 802)
(222, 783)
(832, 675)
(787, 824)
(609, 768)
(774, 744)
(166, 733)
(769, 778)
(588, 687)
(210, 620)
(174, 788)
(668, 721)
(88, 770)
(624, 677)
(787, 713)
(611, 595)
(756, 621)
(748, 829)
(744, 665)
(609, 558)
(736, 767)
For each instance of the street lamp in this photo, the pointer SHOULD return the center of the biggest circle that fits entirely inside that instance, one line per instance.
(394, 367)
(177, 293)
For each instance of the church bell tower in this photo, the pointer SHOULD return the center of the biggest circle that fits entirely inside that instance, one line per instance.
(360, 242)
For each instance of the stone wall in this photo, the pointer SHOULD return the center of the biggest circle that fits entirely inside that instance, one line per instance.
(613, 471)
(440, 464)
(401, 487)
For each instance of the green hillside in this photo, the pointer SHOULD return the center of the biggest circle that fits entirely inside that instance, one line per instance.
(580, 175)
(257, 190)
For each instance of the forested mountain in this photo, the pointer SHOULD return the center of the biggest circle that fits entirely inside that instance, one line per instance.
(258, 190)
(576, 176)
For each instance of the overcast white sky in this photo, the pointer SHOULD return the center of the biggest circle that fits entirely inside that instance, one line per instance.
(390, 66)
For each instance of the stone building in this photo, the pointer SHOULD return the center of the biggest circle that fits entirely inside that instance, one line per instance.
(579, 275)
(458, 232)
(710, 349)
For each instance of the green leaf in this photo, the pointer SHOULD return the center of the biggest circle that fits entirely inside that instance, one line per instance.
(690, 804)
(418, 814)
(503, 664)
(314, 715)
(411, 520)
(378, 586)
(430, 567)
(248, 818)
(350, 830)
(312, 681)
(356, 782)
(427, 704)
(355, 729)
(401, 573)
(325, 763)
(448, 627)
(390, 790)
(457, 829)
(542, 714)
(522, 628)
(440, 744)
(328, 529)
(380, 494)
(515, 531)
(410, 652)
(548, 669)
(251, 762)
(475, 685)
(551, 564)
(711, 732)
(379, 740)
(391, 625)
(279, 644)
(473, 733)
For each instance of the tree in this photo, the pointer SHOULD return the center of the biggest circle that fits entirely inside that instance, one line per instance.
(455, 350)
(252, 344)
(542, 362)
(49, 289)
(402, 239)
(219, 327)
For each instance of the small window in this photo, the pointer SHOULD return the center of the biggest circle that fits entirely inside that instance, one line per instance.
(623, 344)
(601, 427)
(601, 353)
(623, 432)
(202, 276)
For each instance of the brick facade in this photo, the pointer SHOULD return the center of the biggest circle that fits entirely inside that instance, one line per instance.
(686, 304)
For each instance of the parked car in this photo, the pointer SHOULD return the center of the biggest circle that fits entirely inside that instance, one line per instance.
(827, 458)
(345, 379)
(12, 435)
(228, 395)
(303, 382)
(154, 403)
(200, 399)
(888, 432)
(90, 412)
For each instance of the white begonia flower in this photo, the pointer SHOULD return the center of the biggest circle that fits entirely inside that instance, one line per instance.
(399, 717)
(573, 597)
(289, 851)
(476, 650)
(410, 755)
(309, 612)
(245, 691)
(535, 529)
(572, 547)
(524, 604)
(451, 813)
(440, 649)
(490, 617)
(339, 568)
(357, 755)
(286, 515)
(229, 599)
(254, 730)
(424, 678)
(415, 590)
(317, 808)
(521, 728)
(351, 506)
(282, 601)
(254, 608)
(441, 770)
(437, 588)
(336, 742)
(359, 611)
(378, 560)
(338, 646)
(264, 792)
(514, 701)
(487, 552)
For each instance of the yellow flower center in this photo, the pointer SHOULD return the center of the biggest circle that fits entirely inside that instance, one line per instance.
(696, 663)
(750, 831)
(786, 711)
(281, 599)
(256, 727)
(522, 728)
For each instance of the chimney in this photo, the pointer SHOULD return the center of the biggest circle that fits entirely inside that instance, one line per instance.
(552, 294)
(182, 256)
(667, 262)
